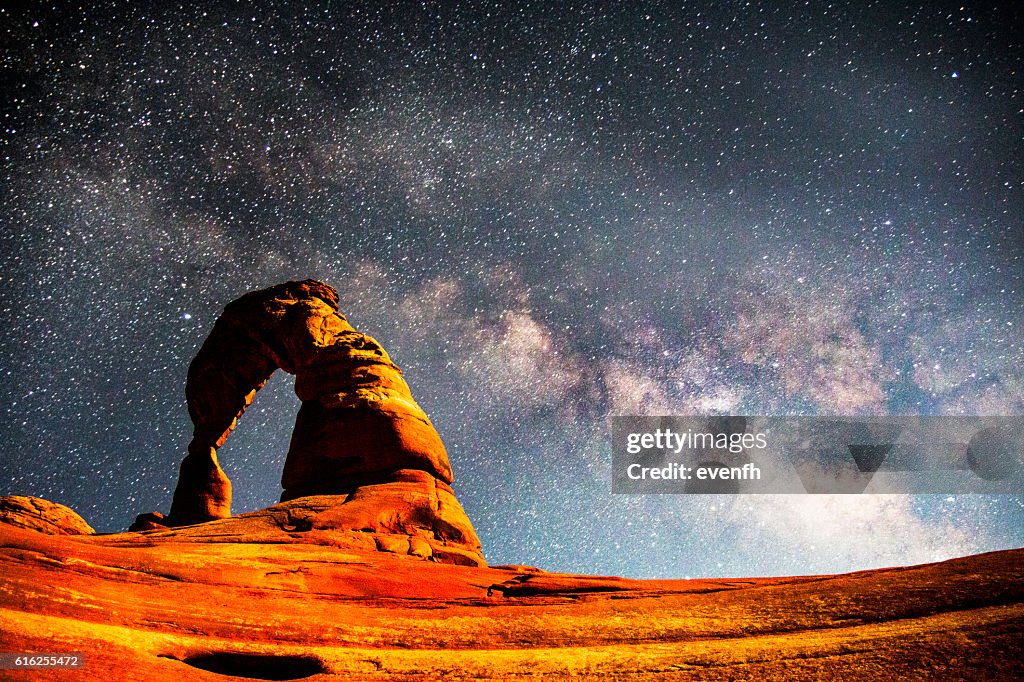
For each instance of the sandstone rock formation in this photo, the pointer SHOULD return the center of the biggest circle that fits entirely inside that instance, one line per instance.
(359, 435)
(35, 513)
(164, 606)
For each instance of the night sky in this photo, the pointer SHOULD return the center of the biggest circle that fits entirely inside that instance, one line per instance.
(547, 214)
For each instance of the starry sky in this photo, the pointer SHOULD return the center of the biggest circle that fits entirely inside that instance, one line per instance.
(548, 213)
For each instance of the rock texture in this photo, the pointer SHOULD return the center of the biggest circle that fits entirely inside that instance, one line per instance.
(359, 435)
(180, 605)
(34, 513)
(415, 516)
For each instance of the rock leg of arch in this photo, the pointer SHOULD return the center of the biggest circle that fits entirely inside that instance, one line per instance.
(364, 457)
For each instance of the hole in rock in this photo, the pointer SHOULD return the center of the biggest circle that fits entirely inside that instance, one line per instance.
(253, 456)
(258, 666)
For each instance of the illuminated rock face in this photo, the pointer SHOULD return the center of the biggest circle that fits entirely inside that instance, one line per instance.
(33, 513)
(238, 597)
(359, 434)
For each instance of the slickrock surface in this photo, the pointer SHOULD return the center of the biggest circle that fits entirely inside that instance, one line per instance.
(199, 604)
(408, 517)
(359, 439)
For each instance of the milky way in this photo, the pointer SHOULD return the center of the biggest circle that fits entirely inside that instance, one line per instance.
(548, 214)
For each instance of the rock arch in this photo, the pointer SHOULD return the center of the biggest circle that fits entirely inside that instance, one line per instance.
(358, 427)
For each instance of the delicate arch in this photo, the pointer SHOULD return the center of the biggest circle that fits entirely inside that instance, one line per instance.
(358, 422)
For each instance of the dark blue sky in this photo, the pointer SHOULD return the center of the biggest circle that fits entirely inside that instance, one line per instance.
(547, 214)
